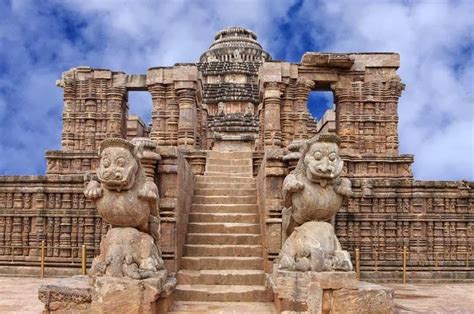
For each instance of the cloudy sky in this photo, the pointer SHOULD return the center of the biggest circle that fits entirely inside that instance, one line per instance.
(41, 39)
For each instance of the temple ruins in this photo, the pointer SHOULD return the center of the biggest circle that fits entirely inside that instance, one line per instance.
(226, 150)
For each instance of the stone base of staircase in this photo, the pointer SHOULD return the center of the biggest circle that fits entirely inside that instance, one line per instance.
(181, 307)
(222, 258)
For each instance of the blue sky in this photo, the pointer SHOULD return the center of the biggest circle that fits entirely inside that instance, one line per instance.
(41, 39)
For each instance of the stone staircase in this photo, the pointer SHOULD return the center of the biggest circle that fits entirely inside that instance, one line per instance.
(222, 259)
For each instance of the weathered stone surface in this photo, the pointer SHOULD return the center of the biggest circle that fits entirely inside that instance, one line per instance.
(334, 292)
(314, 190)
(336, 60)
(127, 252)
(314, 246)
(388, 207)
(123, 195)
(368, 298)
(67, 294)
(123, 295)
(127, 199)
(313, 193)
(295, 285)
(82, 294)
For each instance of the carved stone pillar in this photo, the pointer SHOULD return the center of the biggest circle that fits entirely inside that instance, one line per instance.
(286, 114)
(303, 87)
(272, 103)
(117, 113)
(187, 117)
(204, 114)
(366, 117)
(158, 114)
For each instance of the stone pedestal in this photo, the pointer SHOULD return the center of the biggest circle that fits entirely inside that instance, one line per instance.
(82, 294)
(328, 292)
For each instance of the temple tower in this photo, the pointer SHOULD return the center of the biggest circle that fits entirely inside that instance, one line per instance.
(230, 82)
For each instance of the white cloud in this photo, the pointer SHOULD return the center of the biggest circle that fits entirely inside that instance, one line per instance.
(436, 109)
(435, 39)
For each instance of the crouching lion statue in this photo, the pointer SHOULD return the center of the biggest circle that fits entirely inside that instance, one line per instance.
(314, 246)
(314, 190)
(313, 193)
(126, 199)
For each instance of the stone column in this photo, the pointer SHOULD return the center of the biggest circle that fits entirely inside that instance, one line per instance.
(158, 117)
(204, 115)
(286, 114)
(303, 87)
(117, 113)
(187, 117)
(272, 103)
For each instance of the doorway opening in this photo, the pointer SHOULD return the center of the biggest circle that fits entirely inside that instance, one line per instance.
(139, 114)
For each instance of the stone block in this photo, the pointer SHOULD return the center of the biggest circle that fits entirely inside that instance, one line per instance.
(377, 60)
(102, 74)
(82, 294)
(67, 294)
(335, 60)
(122, 295)
(154, 76)
(368, 298)
(185, 73)
(270, 72)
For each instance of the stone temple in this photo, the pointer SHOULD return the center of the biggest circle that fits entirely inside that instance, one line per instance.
(221, 164)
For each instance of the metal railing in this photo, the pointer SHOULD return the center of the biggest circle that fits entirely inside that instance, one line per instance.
(405, 253)
(43, 258)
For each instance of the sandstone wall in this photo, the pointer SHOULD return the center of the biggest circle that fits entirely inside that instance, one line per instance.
(433, 219)
(53, 208)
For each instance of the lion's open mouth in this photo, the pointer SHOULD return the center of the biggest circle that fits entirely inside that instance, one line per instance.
(317, 173)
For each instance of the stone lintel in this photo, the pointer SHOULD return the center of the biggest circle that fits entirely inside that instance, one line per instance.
(321, 76)
(132, 82)
(375, 60)
(332, 60)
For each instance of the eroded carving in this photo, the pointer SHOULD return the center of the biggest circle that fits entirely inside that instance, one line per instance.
(313, 193)
(314, 246)
(125, 198)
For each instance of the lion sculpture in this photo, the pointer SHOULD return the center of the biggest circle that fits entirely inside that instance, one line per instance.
(126, 199)
(313, 193)
(314, 190)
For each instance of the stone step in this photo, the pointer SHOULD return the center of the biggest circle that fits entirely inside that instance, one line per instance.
(229, 169)
(222, 238)
(221, 277)
(230, 155)
(224, 179)
(222, 250)
(223, 227)
(229, 162)
(186, 307)
(223, 293)
(213, 174)
(218, 185)
(200, 199)
(225, 192)
(225, 208)
(223, 217)
(221, 262)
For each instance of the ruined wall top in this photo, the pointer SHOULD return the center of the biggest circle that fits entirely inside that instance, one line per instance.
(235, 44)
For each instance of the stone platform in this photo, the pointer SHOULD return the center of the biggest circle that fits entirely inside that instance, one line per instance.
(19, 295)
(324, 292)
(83, 294)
